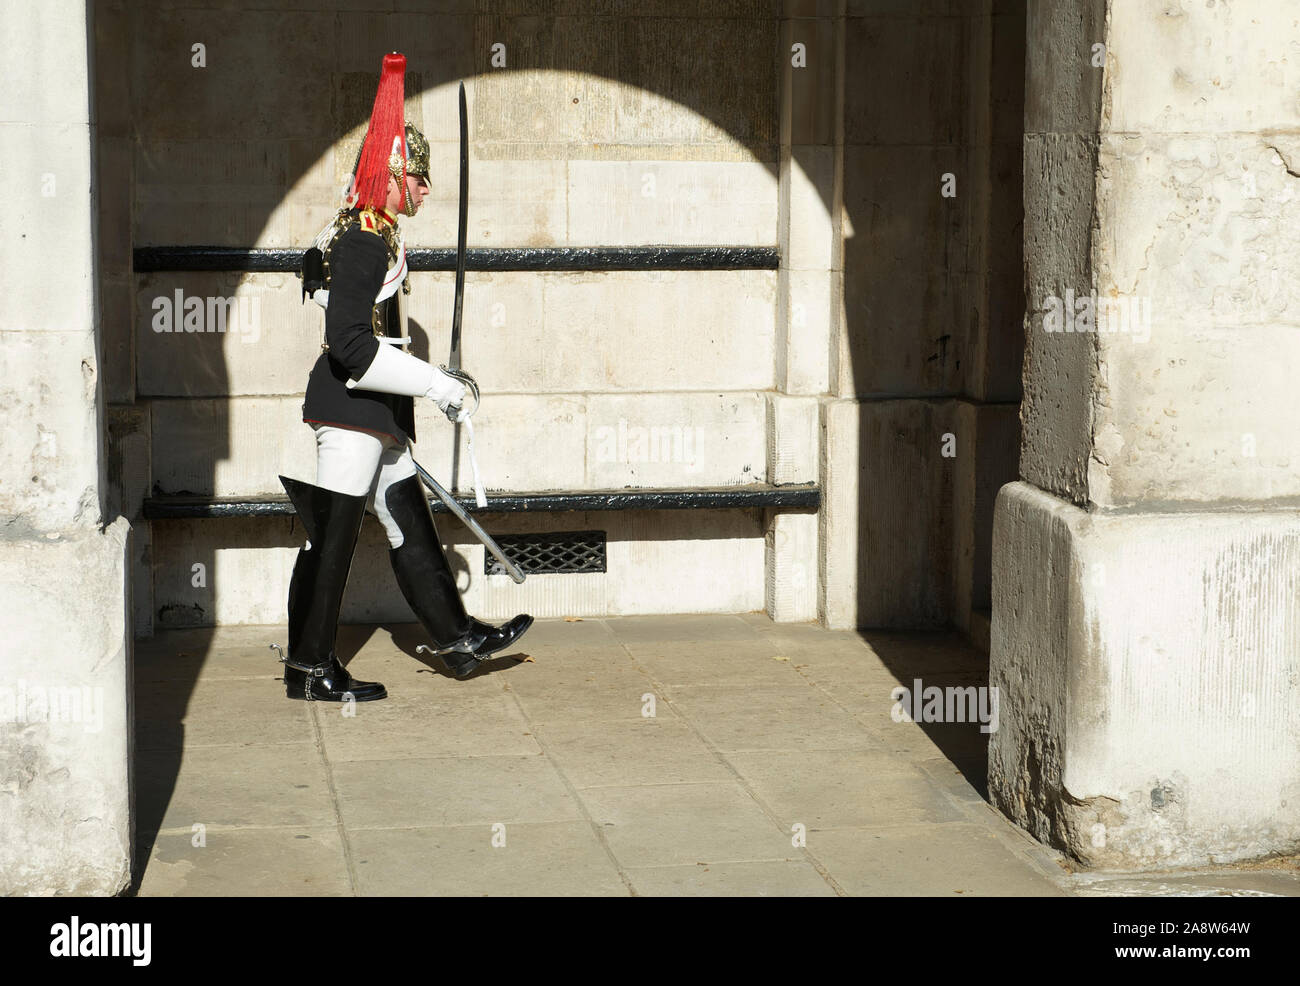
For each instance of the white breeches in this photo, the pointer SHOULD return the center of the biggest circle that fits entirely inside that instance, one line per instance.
(360, 463)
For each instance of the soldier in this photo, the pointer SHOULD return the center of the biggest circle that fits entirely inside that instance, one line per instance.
(360, 402)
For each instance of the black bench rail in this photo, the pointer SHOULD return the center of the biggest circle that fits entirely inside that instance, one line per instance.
(179, 506)
(154, 259)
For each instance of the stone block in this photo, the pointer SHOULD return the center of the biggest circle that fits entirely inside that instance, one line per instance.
(250, 83)
(811, 87)
(46, 184)
(1219, 68)
(809, 232)
(791, 564)
(660, 331)
(886, 536)
(223, 334)
(113, 190)
(927, 57)
(27, 91)
(697, 80)
(793, 433)
(908, 334)
(230, 447)
(904, 226)
(1059, 368)
(700, 439)
(117, 337)
(616, 203)
(1063, 88)
(65, 712)
(1146, 668)
(51, 457)
(810, 312)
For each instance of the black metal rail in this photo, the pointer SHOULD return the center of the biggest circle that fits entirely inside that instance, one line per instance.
(180, 506)
(155, 259)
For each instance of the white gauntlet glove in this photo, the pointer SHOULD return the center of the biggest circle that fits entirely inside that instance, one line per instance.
(445, 390)
(395, 372)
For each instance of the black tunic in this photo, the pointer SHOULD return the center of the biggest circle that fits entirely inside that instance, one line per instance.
(359, 264)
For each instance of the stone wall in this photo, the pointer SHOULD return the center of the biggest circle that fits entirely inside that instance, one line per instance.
(921, 429)
(609, 124)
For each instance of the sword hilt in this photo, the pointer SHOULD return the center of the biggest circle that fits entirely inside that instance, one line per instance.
(453, 411)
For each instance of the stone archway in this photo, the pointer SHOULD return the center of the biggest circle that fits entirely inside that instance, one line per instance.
(880, 361)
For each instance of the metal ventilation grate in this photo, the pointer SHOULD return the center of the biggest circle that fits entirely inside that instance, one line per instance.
(554, 552)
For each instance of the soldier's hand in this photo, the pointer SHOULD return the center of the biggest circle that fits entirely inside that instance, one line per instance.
(446, 391)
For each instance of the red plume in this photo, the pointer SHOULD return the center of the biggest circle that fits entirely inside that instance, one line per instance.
(370, 186)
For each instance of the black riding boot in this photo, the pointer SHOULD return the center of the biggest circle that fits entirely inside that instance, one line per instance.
(426, 580)
(312, 669)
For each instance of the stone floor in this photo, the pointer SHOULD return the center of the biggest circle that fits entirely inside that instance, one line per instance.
(714, 755)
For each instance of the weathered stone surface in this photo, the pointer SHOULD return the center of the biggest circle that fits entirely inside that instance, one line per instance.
(1145, 666)
(65, 713)
(1199, 242)
(1199, 67)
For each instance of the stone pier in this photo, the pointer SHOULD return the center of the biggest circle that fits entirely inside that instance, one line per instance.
(65, 630)
(1146, 620)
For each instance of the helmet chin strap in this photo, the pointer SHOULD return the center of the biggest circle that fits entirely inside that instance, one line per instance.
(408, 203)
(397, 168)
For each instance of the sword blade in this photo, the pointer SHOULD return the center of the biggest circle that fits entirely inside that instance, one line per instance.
(511, 568)
(454, 361)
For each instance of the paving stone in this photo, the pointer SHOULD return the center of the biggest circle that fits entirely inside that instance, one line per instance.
(692, 628)
(740, 663)
(251, 786)
(764, 879)
(426, 722)
(890, 807)
(558, 859)
(630, 751)
(220, 652)
(965, 779)
(927, 861)
(658, 825)
(842, 789)
(563, 660)
(909, 654)
(575, 694)
(736, 718)
(419, 793)
(557, 633)
(213, 711)
(297, 862)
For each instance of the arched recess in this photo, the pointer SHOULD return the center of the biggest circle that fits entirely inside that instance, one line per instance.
(896, 309)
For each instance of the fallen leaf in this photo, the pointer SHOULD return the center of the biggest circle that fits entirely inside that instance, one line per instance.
(573, 619)
(781, 658)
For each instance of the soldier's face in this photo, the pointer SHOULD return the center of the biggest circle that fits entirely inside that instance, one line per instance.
(417, 189)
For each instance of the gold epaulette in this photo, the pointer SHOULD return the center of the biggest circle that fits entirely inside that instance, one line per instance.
(367, 219)
(372, 221)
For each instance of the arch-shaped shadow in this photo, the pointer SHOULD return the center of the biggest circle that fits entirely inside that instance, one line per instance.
(931, 288)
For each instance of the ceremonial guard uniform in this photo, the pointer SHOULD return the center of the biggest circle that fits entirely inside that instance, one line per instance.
(360, 402)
